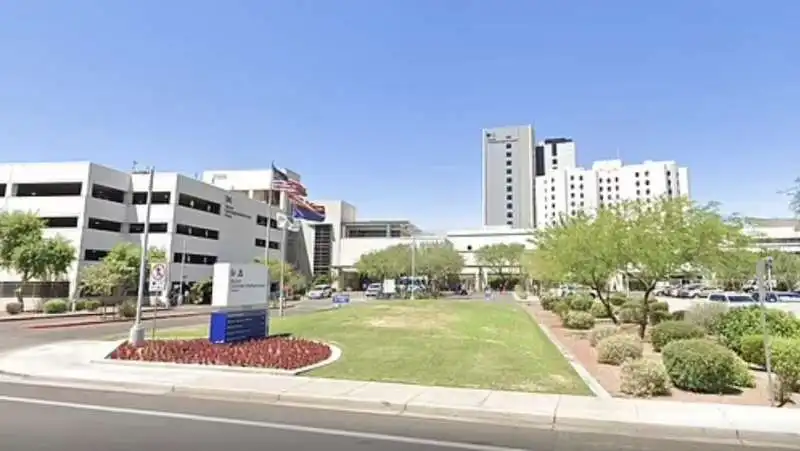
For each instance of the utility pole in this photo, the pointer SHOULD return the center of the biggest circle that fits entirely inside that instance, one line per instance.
(136, 337)
(764, 271)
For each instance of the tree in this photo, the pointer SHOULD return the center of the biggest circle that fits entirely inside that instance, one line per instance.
(119, 270)
(794, 197)
(389, 263)
(582, 249)
(292, 279)
(501, 258)
(662, 237)
(25, 251)
(786, 270)
(438, 262)
(734, 268)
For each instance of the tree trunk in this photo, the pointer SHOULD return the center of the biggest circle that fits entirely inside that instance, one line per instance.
(607, 304)
(645, 311)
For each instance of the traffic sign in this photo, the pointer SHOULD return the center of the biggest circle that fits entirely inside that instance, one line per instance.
(158, 276)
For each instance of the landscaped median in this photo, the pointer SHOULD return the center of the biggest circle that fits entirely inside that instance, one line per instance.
(425, 342)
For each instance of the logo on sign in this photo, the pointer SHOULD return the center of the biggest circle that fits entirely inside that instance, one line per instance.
(237, 273)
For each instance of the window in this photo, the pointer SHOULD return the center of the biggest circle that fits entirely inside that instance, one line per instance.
(48, 189)
(261, 242)
(2, 190)
(193, 259)
(159, 198)
(155, 227)
(262, 221)
(508, 180)
(647, 192)
(197, 232)
(508, 145)
(511, 223)
(637, 174)
(508, 189)
(508, 163)
(196, 203)
(274, 245)
(108, 193)
(94, 255)
(510, 206)
(104, 224)
(509, 197)
(510, 215)
(61, 222)
(647, 182)
(554, 151)
(555, 162)
(509, 171)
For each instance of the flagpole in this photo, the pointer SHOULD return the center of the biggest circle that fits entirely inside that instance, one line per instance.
(269, 235)
(285, 228)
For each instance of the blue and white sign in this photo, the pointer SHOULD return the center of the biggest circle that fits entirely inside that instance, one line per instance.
(233, 326)
(341, 299)
(240, 285)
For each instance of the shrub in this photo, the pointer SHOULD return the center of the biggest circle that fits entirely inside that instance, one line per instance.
(742, 377)
(92, 304)
(617, 300)
(752, 349)
(599, 310)
(597, 335)
(678, 315)
(669, 331)
(631, 312)
(644, 378)
(581, 303)
(786, 365)
(578, 320)
(127, 309)
(618, 348)
(55, 306)
(561, 308)
(80, 304)
(548, 302)
(13, 308)
(737, 323)
(700, 365)
(706, 315)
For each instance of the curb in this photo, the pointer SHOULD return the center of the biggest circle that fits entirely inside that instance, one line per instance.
(113, 321)
(583, 373)
(543, 420)
(68, 316)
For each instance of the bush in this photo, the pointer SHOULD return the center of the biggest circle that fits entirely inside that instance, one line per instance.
(127, 309)
(578, 320)
(13, 308)
(700, 365)
(599, 310)
(669, 331)
(92, 304)
(737, 323)
(631, 312)
(752, 349)
(706, 315)
(742, 377)
(618, 348)
(644, 378)
(548, 302)
(786, 365)
(581, 303)
(55, 306)
(597, 335)
(80, 304)
(678, 315)
(561, 308)
(617, 301)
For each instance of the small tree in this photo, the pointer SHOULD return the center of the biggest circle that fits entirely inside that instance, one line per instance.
(438, 262)
(502, 259)
(120, 268)
(734, 268)
(786, 270)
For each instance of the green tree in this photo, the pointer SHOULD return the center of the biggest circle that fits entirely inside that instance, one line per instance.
(293, 279)
(786, 270)
(118, 270)
(794, 197)
(25, 251)
(438, 262)
(582, 249)
(388, 263)
(734, 268)
(502, 259)
(662, 237)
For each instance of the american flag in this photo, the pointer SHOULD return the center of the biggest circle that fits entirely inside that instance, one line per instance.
(282, 182)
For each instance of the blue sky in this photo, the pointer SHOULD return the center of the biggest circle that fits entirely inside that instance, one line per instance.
(381, 102)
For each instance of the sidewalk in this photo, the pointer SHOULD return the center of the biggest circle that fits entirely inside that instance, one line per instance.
(74, 363)
(31, 316)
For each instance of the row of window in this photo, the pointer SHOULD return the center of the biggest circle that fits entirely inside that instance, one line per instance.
(261, 242)
(96, 255)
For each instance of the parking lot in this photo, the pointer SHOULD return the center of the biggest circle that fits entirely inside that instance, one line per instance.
(685, 304)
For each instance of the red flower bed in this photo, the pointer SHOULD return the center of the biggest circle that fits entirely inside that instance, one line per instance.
(275, 352)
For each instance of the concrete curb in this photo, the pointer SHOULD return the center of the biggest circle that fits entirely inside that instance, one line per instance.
(113, 321)
(65, 316)
(553, 415)
(583, 373)
(336, 354)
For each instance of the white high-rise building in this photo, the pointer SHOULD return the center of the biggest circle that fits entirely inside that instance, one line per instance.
(508, 172)
(568, 191)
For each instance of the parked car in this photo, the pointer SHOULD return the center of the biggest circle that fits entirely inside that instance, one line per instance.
(731, 297)
(778, 296)
(320, 292)
(690, 291)
(373, 290)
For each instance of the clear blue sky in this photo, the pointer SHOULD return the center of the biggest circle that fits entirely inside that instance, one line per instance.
(381, 102)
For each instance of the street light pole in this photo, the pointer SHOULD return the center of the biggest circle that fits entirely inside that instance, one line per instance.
(136, 337)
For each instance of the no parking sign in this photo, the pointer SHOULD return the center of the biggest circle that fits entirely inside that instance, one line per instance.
(158, 276)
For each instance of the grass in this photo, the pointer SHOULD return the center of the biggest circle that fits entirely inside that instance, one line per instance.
(434, 342)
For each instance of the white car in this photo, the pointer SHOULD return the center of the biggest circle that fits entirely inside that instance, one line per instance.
(320, 292)
(373, 290)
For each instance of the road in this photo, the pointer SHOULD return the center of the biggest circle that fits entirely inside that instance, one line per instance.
(45, 418)
(16, 334)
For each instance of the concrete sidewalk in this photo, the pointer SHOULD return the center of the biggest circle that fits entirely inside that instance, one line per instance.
(74, 364)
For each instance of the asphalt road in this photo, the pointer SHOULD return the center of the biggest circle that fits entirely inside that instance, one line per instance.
(47, 418)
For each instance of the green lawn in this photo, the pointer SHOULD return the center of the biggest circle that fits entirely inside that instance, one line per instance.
(434, 342)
